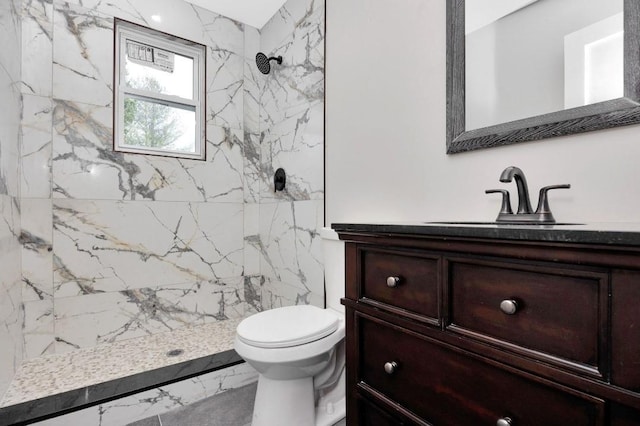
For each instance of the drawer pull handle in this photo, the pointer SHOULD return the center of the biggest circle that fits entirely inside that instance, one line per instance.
(393, 281)
(390, 367)
(509, 306)
(505, 421)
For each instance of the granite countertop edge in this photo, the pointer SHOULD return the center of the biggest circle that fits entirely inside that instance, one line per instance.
(616, 234)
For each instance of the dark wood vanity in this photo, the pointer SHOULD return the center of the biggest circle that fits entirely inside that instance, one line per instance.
(492, 325)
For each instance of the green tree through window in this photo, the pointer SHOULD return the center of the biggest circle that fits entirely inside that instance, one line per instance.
(149, 123)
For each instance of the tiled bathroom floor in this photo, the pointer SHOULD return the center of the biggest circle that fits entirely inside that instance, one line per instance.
(231, 408)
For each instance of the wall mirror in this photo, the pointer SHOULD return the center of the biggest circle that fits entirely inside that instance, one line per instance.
(523, 70)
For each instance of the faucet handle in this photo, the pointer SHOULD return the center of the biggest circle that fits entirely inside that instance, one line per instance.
(543, 199)
(506, 201)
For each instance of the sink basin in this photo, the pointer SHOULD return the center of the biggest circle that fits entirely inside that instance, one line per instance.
(471, 223)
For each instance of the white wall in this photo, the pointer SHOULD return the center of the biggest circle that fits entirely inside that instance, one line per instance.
(385, 132)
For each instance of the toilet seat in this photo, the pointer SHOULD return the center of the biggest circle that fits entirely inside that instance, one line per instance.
(286, 327)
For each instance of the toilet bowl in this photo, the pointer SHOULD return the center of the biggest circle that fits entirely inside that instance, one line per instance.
(299, 354)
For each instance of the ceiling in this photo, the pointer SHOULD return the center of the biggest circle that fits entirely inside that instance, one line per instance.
(251, 12)
(479, 13)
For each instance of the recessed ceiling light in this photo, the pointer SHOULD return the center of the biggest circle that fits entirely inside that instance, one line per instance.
(156, 18)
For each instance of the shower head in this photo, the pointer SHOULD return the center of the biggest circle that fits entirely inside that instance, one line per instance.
(263, 62)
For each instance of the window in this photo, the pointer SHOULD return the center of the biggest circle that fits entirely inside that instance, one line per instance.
(159, 93)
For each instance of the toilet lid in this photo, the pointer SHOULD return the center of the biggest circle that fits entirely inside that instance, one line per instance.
(288, 326)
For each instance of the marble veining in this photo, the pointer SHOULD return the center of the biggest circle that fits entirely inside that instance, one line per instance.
(291, 136)
(83, 147)
(105, 246)
(117, 246)
(37, 245)
(81, 70)
(35, 152)
(11, 312)
(37, 50)
(291, 246)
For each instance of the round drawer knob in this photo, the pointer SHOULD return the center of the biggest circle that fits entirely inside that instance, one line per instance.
(393, 281)
(390, 367)
(505, 421)
(509, 306)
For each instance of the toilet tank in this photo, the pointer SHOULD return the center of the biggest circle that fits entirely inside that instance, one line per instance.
(333, 251)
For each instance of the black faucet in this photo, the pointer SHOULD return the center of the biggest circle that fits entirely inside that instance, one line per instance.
(510, 173)
(524, 214)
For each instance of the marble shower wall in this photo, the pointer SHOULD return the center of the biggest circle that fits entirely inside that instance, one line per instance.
(11, 312)
(116, 245)
(287, 132)
(119, 245)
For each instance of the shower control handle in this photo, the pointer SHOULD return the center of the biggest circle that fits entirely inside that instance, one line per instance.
(393, 281)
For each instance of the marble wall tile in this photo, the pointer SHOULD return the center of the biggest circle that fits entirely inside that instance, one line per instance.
(10, 98)
(179, 18)
(82, 55)
(252, 248)
(300, 79)
(253, 285)
(159, 400)
(35, 152)
(253, 171)
(252, 79)
(36, 239)
(84, 164)
(104, 246)
(37, 48)
(88, 320)
(130, 231)
(263, 293)
(292, 105)
(221, 32)
(39, 336)
(225, 94)
(10, 54)
(86, 167)
(224, 38)
(291, 246)
(293, 15)
(220, 178)
(297, 145)
(292, 137)
(11, 313)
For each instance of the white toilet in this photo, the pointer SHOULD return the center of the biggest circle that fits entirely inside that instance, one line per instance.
(298, 352)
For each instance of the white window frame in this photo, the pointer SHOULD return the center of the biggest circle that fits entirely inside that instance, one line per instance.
(127, 31)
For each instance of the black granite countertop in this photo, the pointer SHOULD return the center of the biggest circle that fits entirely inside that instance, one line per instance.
(617, 234)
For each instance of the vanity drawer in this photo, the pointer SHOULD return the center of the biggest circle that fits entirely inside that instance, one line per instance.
(450, 387)
(416, 287)
(372, 415)
(541, 311)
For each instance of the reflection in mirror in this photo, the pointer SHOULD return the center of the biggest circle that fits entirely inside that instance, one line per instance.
(521, 54)
(520, 70)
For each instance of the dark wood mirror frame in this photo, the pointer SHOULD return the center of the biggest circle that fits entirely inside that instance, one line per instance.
(617, 112)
